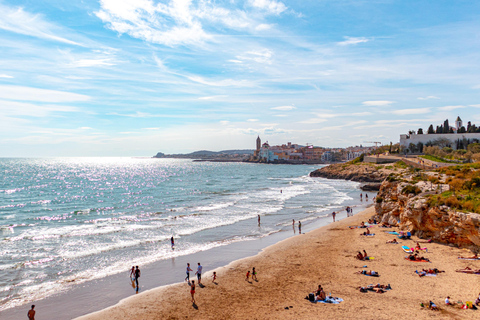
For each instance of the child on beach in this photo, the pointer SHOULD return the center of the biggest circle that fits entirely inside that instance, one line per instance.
(247, 278)
(254, 274)
(192, 291)
(214, 276)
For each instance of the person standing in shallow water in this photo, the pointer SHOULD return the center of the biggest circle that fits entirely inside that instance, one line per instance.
(172, 241)
(333, 215)
(31, 313)
(137, 275)
(299, 227)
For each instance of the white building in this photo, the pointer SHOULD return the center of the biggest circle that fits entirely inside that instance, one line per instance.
(453, 138)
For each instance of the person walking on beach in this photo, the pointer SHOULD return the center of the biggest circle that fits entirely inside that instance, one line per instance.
(214, 276)
(192, 291)
(172, 241)
(254, 274)
(199, 273)
(137, 275)
(31, 313)
(333, 215)
(361, 195)
(258, 219)
(187, 278)
(299, 227)
(247, 277)
(132, 273)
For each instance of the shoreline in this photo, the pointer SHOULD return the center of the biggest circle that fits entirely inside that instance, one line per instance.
(289, 269)
(105, 292)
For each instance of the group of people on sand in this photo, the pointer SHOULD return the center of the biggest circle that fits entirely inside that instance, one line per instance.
(198, 273)
(378, 288)
(362, 256)
(416, 257)
(317, 295)
(252, 274)
(134, 275)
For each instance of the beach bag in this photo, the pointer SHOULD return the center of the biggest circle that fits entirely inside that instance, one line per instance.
(311, 297)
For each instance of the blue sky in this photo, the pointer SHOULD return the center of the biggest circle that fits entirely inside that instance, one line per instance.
(134, 77)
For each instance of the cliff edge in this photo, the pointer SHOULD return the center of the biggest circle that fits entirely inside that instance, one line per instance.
(362, 172)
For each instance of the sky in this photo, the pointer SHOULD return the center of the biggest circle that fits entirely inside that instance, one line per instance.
(137, 77)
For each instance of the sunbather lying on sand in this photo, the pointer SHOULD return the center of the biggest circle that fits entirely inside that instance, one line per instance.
(469, 270)
(424, 272)
(425, 241)
(475, 256)
(405, 235)
(368, 273)
(367, 232)
(362, 256)
(393, 241)
(415, 257)
(417, 247)
(366, 289)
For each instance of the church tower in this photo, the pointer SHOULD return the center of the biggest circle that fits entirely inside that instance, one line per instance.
(458, 123)
(259, 145)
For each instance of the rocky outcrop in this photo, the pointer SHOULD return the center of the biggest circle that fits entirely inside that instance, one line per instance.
(371, 186)
(412, 212)
(354, 172)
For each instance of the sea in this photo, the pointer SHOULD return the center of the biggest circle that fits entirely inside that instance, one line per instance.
(67, 221)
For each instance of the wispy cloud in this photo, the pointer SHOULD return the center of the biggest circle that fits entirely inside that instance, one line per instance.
(5, 76)
(19, 21)
(92, 63)
(272, 6)
(379, 103)
(449, 108)
(428, 98)
(284, 108)
(34, 94)
(352, 40)
(411, 111)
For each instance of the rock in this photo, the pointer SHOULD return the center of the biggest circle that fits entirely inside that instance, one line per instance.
(371, 187)
(413, 213)
(354, 172)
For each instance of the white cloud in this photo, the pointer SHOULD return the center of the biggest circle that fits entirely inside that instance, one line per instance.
(92, 63)
(411, 111)
(224, 122)
(5, 76)
(35, 94)
(272, 6)
(474, 105)
(235, 61)
(260, 56)
(352, 40)
(252, 120)
(221, 83)
(449, 108)
(377, 103)
(22, 109)
(18, 21)
(284, 108)
(263, 26)
(428, 98)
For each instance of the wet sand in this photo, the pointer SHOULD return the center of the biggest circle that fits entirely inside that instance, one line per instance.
(290, 269)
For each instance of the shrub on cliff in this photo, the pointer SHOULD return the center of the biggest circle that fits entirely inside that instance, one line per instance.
(409, 189)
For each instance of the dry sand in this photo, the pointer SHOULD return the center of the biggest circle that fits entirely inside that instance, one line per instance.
(290, 269)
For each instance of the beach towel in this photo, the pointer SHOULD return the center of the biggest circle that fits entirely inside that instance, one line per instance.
(407, 249)
(392, 232)
(332, 300)
(468, 258)
(368, 235)
(406, 258)
(423, 273)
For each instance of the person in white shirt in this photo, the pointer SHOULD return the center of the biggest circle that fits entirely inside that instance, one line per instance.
(187, 278)
(199, 273)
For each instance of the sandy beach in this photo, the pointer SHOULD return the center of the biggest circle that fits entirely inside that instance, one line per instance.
(290, 269)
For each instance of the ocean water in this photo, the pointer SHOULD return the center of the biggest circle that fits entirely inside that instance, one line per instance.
(64, 221)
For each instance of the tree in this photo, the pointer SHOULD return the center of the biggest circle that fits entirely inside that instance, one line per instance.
(462, 130)
(451, 130)
(446, 126)
(439, 129)
(430, 129)
(469, 124)
(420, 131)
(420, 147)
(412, 147)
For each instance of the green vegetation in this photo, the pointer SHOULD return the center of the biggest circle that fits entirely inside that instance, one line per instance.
(379, 200)
(437, 159)
(409, 189)
(464, 193)
(400, 164)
